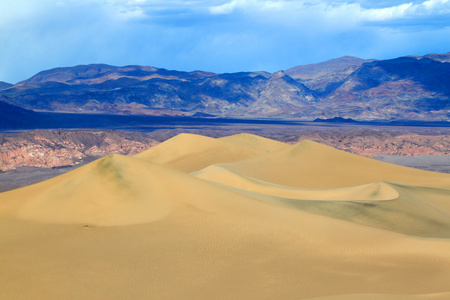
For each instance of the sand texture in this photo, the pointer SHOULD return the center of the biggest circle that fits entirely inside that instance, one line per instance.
(240, 217)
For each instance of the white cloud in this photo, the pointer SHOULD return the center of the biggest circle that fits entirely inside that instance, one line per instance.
(434, 7)
(133, 13)
(224, 8)
(329, 10)
(388, 13)
(229, 7)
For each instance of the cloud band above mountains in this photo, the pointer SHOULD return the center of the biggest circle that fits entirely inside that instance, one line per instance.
(219, 36)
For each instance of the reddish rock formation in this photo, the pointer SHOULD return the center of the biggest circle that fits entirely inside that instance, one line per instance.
(373, 143)
(48, 148)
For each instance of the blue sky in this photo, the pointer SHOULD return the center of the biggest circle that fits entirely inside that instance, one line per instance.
(217, 36)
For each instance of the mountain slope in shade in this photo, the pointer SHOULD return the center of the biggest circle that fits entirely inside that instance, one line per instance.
(414, 88)
(13, 116)
(5, 85)
(152, 231)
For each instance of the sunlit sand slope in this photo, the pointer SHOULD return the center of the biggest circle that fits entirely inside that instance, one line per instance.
(312, 165)
(190, 152)
(116, 190)
(317, 224)
(253, 141)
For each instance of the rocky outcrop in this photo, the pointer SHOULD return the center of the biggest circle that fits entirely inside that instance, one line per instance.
(373, 143)
(49, 149)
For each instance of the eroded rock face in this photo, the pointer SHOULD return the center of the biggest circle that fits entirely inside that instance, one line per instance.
(49, 148)
(372, 143)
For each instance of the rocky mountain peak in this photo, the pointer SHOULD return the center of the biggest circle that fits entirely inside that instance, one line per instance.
(278, 75)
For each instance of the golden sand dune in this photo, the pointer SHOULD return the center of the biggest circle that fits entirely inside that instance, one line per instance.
(190, 152)
(312, 165)
(412, 210)
(376, 191)
(258, 143)
(116, 190)
(257, 220)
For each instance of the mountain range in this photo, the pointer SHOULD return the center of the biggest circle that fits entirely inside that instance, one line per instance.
(410, 87)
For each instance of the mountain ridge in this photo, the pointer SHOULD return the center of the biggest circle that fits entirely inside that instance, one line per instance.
(409, 87)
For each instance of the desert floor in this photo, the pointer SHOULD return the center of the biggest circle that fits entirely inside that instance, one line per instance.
(237, 217)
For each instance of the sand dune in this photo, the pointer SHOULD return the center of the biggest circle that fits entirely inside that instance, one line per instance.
(116, 190)
(257, 219)
(253, 141)
(312, 165)
(373, 191)
(190, 152)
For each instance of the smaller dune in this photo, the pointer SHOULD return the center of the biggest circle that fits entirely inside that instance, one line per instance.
(378, 191)
(190, 152)
(254, 141)
(312, 165)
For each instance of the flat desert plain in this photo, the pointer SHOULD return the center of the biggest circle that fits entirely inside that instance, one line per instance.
(239, 217)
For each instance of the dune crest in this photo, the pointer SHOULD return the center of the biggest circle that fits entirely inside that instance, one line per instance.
(254, 141)
(112, 190)
(190, 152)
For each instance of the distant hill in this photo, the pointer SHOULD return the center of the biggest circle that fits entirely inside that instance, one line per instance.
(414, 88)
(442, 57)
(335, 120)
(5, 85)
(12, 116)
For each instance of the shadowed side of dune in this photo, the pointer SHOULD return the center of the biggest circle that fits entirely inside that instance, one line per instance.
(417, 211)
(408, 209)
(412, 213)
